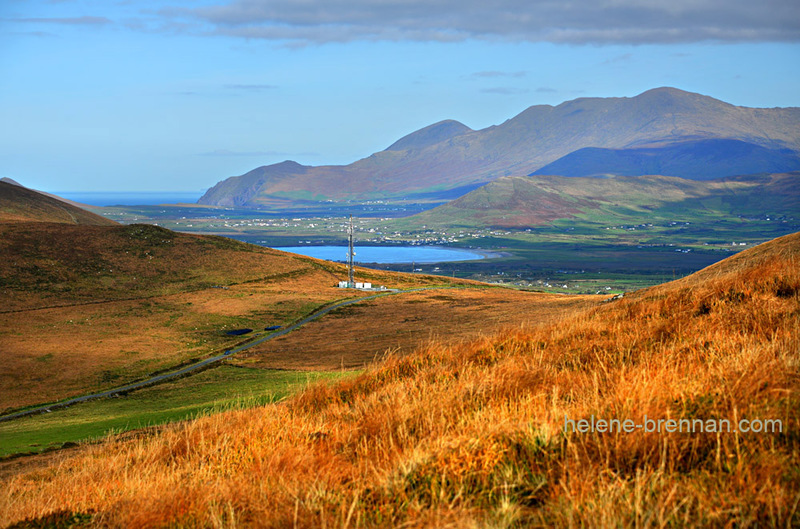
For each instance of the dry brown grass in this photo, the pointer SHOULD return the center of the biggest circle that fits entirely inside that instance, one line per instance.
(472, 434)
(90, 307)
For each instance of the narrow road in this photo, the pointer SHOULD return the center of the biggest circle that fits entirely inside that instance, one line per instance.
(203, 363)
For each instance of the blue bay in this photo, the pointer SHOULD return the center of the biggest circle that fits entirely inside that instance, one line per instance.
(388, 254)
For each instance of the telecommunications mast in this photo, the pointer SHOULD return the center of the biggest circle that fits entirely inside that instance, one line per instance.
(351, 269)
(350, 255)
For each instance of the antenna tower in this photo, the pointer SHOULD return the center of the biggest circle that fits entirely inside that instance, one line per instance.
(350, 254)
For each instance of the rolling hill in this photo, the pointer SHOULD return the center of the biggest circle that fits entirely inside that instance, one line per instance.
(519, 201)
(683, 130)
(20, 204)
(674, 406)
(91, 307)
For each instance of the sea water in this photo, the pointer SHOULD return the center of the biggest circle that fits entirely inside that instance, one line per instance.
(132, 198)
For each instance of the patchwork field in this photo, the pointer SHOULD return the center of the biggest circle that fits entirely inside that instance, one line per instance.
(588, 233)
(354, 336)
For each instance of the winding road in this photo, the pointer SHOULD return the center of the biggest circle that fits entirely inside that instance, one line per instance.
(203, 363)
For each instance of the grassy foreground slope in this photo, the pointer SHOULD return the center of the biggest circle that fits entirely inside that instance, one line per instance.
(474, 433)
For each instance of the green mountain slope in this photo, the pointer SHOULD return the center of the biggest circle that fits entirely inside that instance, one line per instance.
(518, 201)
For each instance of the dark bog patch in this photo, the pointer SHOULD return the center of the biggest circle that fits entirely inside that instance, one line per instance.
(152, 235)
(785, 290)
(56, 520)
(703, 309)
(442, 297)
(238, 332)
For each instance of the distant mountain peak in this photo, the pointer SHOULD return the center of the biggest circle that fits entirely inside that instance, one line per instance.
(667, 97)
(669, 90)
(287, 164)
(430, 135)
(10, 181)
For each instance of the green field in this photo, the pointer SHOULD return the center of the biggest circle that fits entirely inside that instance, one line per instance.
(211, 391)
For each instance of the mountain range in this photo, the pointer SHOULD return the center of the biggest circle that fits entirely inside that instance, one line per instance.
(662, 131)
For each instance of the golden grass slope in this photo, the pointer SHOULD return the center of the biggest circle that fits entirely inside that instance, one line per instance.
(473, 434)
(20, 204)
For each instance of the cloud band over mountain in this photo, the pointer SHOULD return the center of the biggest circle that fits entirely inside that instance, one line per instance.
(600, 22)
(558, 21)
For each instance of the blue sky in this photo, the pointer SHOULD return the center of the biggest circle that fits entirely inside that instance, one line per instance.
(176, 95)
